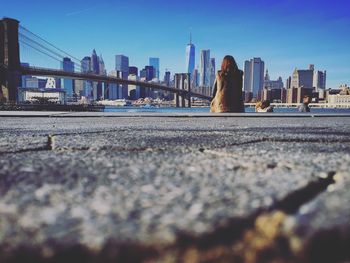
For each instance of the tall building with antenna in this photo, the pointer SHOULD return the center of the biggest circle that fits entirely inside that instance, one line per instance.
(190, 56)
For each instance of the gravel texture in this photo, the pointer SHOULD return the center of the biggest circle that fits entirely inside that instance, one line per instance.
(160, 183)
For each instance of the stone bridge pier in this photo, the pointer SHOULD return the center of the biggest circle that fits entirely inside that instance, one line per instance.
(183, 83)
(9, 60)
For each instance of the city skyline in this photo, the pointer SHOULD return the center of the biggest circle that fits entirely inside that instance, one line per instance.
(285, 34)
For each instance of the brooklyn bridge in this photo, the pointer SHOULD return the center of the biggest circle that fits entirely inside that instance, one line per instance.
(12, 36)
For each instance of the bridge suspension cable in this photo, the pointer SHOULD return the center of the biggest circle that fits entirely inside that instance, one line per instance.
(37, 49)
(52, 45)
(39, 44)
(46, 53)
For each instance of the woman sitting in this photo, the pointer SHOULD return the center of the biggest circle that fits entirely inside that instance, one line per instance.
(263, 106)
(227, 94)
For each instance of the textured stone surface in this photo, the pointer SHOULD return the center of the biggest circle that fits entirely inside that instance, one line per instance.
(154, 184)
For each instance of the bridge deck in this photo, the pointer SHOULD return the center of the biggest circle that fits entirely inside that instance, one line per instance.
(108, 79)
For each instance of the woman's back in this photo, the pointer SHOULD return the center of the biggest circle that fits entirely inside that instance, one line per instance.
(228, 92)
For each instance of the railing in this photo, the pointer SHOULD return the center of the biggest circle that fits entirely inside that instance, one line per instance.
(311, 105)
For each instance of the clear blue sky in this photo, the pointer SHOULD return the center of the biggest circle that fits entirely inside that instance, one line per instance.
(285, 34)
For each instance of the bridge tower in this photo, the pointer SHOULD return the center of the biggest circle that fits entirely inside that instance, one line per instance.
(183, 82)
(9, 60)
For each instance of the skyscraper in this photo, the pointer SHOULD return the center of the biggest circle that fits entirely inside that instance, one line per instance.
(148, 73)
(101, 65)
(68, 84)
(253, 76)
(122, 66)
(308, 78)
(86, 67)
(133, 71)
(301, 83)
(195, 78)
(288, 82)
(204, 70)
(103, 72)
(167, 78)
(303, 78)
(319, 81)
(112, 88)
(154, 62)
(212, 72)
(190, 56)
(95, 67)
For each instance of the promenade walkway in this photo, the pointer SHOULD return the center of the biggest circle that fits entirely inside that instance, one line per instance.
(101, 187)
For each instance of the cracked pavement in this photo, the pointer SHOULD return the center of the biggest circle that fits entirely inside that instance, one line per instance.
(169, 189)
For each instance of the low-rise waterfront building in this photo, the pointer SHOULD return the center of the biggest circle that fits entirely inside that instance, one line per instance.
(273, 95)
(31, 82)
(342, 98)
(296, 95)
(50, 95)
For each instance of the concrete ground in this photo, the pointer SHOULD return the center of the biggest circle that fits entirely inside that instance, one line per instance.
(104, 187)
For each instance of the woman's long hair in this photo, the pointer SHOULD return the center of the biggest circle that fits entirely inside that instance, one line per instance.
(228, 65)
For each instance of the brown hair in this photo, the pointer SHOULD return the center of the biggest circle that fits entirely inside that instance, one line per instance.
(307, 99)
(258, 105)
(265, 104)
(228, 65)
